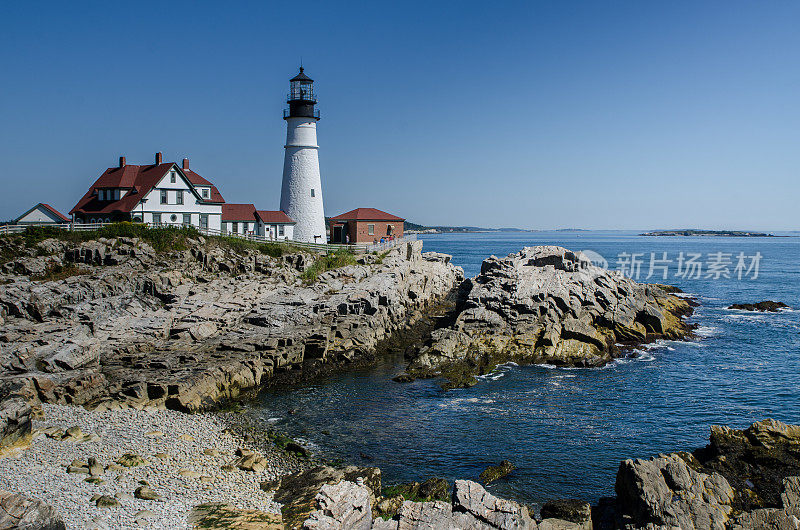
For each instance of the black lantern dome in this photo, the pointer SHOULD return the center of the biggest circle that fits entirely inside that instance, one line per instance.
(301, 97)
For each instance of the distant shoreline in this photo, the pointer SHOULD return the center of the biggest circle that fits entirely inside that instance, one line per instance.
(707, 233)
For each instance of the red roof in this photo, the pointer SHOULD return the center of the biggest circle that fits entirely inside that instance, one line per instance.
(54, 211)
(139, 180)
(269, 216)
(366, 214)
(197, 180)
(238, 212)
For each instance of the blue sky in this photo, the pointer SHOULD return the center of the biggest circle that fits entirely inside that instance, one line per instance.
(615, 114)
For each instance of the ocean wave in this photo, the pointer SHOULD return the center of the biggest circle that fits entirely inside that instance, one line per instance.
(706, 331)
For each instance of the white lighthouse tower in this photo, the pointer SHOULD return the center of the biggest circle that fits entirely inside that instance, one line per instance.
(301, 193)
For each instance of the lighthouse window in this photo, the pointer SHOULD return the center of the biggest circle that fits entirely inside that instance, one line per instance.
(312, 192)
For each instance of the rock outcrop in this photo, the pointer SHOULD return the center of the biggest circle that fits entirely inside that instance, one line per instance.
(744, 479)
(548, 305)
(188, 329)
(765, 306)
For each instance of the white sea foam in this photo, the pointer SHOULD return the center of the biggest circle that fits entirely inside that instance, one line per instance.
(706, 331)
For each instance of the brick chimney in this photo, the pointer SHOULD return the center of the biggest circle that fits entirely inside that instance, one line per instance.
(158, 158)
(185, 163)
(122, 161)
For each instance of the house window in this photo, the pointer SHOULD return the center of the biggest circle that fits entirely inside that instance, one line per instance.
(203, 220)
(205, 193)
(235, 228)
(157, 218)
(116, 195)
(101, 195)
(173, 218)
(163, 196)
(371, 230)
(280, 230)
(172, 177)
(179, 197)
(312, 192)
(187, 218)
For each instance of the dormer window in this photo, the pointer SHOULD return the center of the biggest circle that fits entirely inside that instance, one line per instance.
(101, 195)
(205, 193)
(172, 177)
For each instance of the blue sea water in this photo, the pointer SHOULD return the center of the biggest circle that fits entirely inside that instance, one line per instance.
(568, 429)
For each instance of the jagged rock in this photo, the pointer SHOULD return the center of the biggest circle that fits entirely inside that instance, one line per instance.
(340, 506)
(665, 491)
(492, 473)
(26, 513)
(474, 507)
(755, 461)
(549, 305)
(297, 491)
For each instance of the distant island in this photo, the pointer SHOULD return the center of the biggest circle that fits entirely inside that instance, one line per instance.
(717, 233)
(414, 228)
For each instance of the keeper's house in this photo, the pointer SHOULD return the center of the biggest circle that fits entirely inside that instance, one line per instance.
(161, 193)
(246, 219)
(365, 225)
(42, 214)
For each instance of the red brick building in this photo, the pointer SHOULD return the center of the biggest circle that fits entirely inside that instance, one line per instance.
(365, 225)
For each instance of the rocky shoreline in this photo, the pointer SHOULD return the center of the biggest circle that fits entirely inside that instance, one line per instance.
(111, 350)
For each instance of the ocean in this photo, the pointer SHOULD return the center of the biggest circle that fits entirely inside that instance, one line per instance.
(565, 429)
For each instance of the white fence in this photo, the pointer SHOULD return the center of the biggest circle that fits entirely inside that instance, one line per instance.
(318, 247)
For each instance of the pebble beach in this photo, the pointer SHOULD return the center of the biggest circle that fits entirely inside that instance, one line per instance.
(187, 462)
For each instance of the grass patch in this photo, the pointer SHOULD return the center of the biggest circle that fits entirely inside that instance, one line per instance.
(381, 256)
(330, 261)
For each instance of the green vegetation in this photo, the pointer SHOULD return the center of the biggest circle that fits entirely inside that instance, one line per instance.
(330, 261)
(433, 489)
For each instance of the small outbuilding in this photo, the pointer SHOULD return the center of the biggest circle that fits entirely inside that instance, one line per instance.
(42, 214)
(365, 225)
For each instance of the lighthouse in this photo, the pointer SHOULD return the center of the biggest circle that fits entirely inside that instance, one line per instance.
(301, 192)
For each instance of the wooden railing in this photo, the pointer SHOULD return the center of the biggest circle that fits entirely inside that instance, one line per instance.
(317, 247)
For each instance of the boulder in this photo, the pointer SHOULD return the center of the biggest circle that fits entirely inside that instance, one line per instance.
(340, 506)
(27, 513)
(665, 491)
